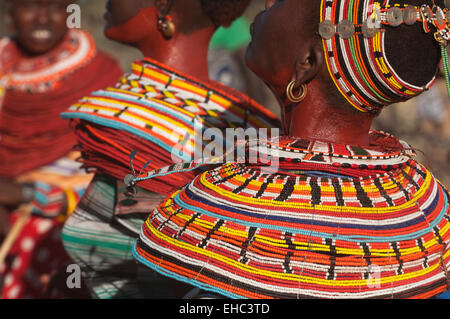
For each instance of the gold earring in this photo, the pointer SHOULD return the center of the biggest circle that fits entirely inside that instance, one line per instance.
(296, 98)
(166, 27)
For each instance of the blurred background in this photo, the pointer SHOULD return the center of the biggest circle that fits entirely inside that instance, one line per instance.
(423, 122)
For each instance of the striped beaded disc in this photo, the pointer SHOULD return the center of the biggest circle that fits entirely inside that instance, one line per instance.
(245, 233)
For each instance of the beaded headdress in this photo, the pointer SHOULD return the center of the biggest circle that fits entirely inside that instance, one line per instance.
(353, 35)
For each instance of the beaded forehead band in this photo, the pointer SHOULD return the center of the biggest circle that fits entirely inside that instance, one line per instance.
(354, 36)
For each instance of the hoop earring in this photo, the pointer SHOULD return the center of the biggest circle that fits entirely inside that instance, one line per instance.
(290, 92)
(166, 27)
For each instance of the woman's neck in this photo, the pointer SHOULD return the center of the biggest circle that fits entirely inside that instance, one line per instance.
(315, 118)
(187, 53)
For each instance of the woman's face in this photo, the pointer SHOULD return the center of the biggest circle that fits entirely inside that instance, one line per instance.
(39, 25)
(278, 37)
(128, 21)
(119, 12)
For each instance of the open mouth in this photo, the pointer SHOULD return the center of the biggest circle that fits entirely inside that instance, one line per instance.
(41, 35)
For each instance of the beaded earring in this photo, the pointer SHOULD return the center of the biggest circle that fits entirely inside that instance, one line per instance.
(165, 22)
(166, 26)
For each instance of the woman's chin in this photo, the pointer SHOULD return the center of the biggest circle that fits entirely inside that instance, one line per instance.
(39, 47)
(248, 58)
(114, 34)
(252, 64)
(107, 32)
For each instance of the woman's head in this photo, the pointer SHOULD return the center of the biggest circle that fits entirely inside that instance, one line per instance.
(38, 25)
(133, 20)
(283, 35)
(287, 45)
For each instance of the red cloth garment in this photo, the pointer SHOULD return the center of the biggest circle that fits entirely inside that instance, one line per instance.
(109, 153)
(36, 146)
(37, 91)
(35, 256)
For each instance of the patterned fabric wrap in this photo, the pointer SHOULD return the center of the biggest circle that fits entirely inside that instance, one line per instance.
(244, 232)
(156, 110)
(358, 65)
(96, 243)
(58, 187)
(38, 250)
(49, 200)
(36, 254)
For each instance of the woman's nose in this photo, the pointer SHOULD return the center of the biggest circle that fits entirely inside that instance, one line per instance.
(42, 15)
(270, 3)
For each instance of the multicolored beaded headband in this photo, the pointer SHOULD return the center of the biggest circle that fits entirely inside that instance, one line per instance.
(361, 70)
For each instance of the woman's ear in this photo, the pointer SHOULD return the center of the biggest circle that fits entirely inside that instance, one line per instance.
(309, 64)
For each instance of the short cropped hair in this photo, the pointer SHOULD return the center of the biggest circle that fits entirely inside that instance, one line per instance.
(224, 12)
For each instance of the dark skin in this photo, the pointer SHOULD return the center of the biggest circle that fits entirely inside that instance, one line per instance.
(4, 223)
(11, 193)
(134, 22)
(285, 47)
(38, 27)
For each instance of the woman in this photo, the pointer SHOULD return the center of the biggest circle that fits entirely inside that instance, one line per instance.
(348, 213)
(43, 68)
(167, 95)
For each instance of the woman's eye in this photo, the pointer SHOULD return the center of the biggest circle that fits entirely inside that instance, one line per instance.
(32, 4)
(27, 3)
(56, 7)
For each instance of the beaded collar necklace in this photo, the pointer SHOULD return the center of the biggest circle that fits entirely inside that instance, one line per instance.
(44, 73)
